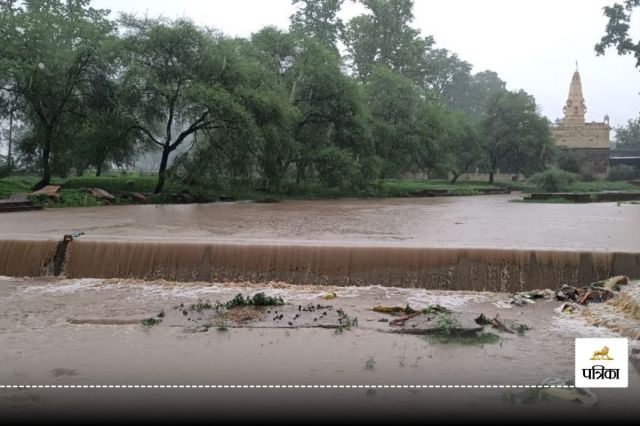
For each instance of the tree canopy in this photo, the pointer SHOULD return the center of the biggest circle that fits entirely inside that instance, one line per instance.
(281, 108)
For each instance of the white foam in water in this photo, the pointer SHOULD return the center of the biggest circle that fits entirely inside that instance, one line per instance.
(417, 298)
(578, 327)
(68, 286)
(423, 299)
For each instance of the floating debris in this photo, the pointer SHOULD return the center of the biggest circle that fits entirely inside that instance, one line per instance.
(329, 296)
(569, 393)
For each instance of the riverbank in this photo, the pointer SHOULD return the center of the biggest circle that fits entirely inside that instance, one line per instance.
(74, 191)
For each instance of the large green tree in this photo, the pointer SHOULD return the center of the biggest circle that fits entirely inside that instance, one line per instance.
(384, 37)
(49, 49)
(318, 19)
(181, 80)
(460, 143)
(517, 138)
(402, 133)
(330, 104)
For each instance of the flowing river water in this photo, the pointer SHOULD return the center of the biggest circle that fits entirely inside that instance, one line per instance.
(467, 254)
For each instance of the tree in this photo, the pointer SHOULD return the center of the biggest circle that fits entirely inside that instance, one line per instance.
(459, 143)
(182, 80)
(104, 136)
(483, 86)
(628, 137)
(318, 19)
(331, 106)
(399, 126)
(384, 38)
(444, 74)
(617, 30)
(49, 48)
(516, 137)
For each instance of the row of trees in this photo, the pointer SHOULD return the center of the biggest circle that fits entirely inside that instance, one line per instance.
(282, 105)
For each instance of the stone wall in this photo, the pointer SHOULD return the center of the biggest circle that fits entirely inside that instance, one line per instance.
(589, 135)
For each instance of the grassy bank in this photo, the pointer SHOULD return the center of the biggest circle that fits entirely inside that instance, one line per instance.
(594, 186)
(74, 192)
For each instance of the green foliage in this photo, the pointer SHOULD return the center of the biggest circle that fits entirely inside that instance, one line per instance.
(10, 186)
(370, 363)
(617, 32)
(516, 137)
(570, 161)
(278, 114)
(49, 51)
(150, 322)
(345, 322)
(318, 19)
(223, 326)
(621, 172)
(5, 170)
(258, 299)
(384, 37)
(116, 184)
(628, 137)
(472, 339)
(336, 167)
(553, 180)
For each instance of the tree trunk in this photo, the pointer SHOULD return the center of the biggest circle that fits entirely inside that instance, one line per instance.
(163, 170)
(46, 167)
(455, 177)
(491, 176)
(9, 153)
(98, 169)
(300, 171)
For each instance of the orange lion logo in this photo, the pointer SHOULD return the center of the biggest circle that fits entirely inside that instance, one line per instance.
(602, 354)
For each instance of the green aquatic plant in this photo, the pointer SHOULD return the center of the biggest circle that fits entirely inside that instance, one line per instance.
(150, 322)
(258, 299)
(370, 363)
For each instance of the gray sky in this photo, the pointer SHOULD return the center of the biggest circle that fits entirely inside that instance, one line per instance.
(531, 44)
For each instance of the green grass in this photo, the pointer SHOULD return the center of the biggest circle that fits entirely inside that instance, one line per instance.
(73, 189)
(13, 185)
(552, 200)
(126, 183)
(407, 186)
(595, 186)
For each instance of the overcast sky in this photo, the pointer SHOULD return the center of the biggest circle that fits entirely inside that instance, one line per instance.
(532, 44)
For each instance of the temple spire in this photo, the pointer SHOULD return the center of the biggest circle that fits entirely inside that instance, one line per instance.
(575, 109)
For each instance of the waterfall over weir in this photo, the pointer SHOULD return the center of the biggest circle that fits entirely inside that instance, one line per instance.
(479, 269)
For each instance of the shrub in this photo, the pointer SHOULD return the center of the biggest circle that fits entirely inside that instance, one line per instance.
(586, 173)
(553, 180)
(5, 171)
(621, 172)
(336, 167)
(570, 161)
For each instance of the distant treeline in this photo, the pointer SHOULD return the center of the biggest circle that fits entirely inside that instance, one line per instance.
(342, 103)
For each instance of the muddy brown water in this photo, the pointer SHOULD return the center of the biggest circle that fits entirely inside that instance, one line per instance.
(86, 332)
(473, 243)
(483, 221)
